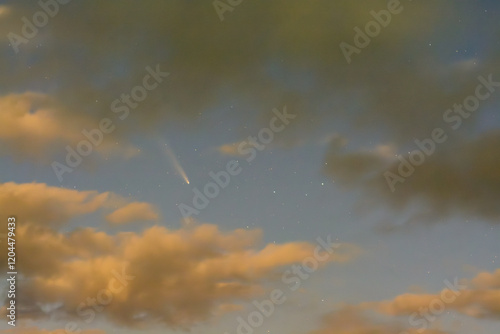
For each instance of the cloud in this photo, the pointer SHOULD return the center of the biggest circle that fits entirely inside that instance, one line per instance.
(181, 277)
(487, 280)
(51, 206)
(353, 168)
(29, 125)
(4, 10)
(478, 298)
(35, 126)
(229, 149)
(349, 320)
(47, 206)
(463, 178)
(258, 68)
(403, 102)
(136, 211)
(35, 330)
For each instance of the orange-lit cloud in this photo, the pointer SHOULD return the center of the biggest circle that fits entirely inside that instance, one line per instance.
(478, 298)
(38, 203)
(229, 149)
(349, 320)
(34, 330)
(136, 211)
(181, 277)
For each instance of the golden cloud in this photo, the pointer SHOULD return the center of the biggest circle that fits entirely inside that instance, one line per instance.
(478, 298)
(176, 277)
(35, 330)
(136, 211)
(350, 320)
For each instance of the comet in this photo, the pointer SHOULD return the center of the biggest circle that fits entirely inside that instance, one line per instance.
(173, 160)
